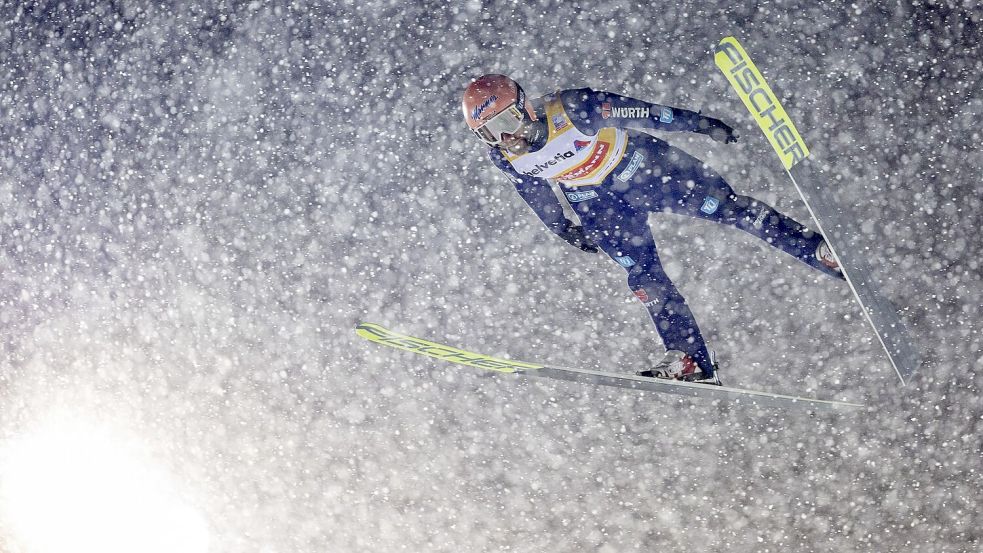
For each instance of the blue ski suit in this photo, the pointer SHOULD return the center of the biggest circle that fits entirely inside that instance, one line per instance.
(613, 177)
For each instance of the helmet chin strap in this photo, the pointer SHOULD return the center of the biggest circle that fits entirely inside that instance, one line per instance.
(538, 132)
(537, 137)
(536, 124)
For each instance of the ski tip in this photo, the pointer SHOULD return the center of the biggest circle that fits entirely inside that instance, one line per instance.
(730, 39)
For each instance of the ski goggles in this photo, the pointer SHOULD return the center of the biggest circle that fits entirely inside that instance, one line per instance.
(508, 121)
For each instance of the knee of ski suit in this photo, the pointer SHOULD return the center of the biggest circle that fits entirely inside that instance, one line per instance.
(660, 298)
(673, 319)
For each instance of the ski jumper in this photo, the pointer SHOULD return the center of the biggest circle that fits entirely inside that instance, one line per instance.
(613, 177)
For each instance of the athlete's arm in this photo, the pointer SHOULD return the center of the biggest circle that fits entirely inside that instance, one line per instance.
(539, 196)
(596, 109)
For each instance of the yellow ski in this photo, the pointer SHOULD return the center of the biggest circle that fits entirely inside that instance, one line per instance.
(380, 335)
(883, 316)
(761, 101)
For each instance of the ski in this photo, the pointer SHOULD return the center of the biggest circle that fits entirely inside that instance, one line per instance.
(739, 396)
(760, 100)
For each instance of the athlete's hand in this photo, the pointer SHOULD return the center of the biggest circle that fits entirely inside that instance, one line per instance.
(576, 237)
(718, 130)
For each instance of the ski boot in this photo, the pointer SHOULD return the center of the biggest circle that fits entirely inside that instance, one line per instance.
(677, 365)
(825, 256)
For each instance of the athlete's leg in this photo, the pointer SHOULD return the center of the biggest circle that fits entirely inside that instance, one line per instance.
(626, 238)
(697, 190)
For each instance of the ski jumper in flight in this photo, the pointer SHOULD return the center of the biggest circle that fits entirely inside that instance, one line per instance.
(613, 176)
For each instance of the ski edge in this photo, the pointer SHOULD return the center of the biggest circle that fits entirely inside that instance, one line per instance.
(691, 389)
(383, 336)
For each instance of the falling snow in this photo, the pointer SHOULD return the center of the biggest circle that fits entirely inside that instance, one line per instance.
(198, 202)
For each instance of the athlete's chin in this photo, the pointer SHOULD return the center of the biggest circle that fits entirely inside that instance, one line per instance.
(518, 147)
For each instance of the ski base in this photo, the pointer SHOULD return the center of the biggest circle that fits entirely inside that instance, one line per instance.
(739, 396)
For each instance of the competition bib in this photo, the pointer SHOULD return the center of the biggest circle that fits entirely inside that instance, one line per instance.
(570, 156)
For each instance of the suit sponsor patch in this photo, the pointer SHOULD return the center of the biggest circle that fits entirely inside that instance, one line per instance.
(625, 261)
(608, 110)
(593, 161)
(710, 205)
(581, 196)
(629, 172)
(760, 219)
(559, 121)
(630, 113)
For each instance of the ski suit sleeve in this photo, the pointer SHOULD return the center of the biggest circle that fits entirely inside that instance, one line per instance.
(539, 196)
(595, 109)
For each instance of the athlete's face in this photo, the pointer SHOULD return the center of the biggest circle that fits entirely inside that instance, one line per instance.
(521, 140)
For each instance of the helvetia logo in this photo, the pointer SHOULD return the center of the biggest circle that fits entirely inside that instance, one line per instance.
(540, 167)
(580, 144)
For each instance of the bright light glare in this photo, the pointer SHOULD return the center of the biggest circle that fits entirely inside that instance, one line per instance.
(70, 487)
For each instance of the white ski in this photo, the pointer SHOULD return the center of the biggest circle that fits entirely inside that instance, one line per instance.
(737, 396)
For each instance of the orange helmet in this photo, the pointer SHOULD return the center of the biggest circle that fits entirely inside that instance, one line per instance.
(493, 105)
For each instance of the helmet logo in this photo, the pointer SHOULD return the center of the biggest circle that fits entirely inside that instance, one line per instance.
(476, 112)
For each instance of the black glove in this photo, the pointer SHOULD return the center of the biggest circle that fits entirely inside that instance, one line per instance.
(717, 130)
(576, 237)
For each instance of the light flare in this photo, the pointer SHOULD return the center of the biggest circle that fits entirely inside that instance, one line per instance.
(69, 486)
